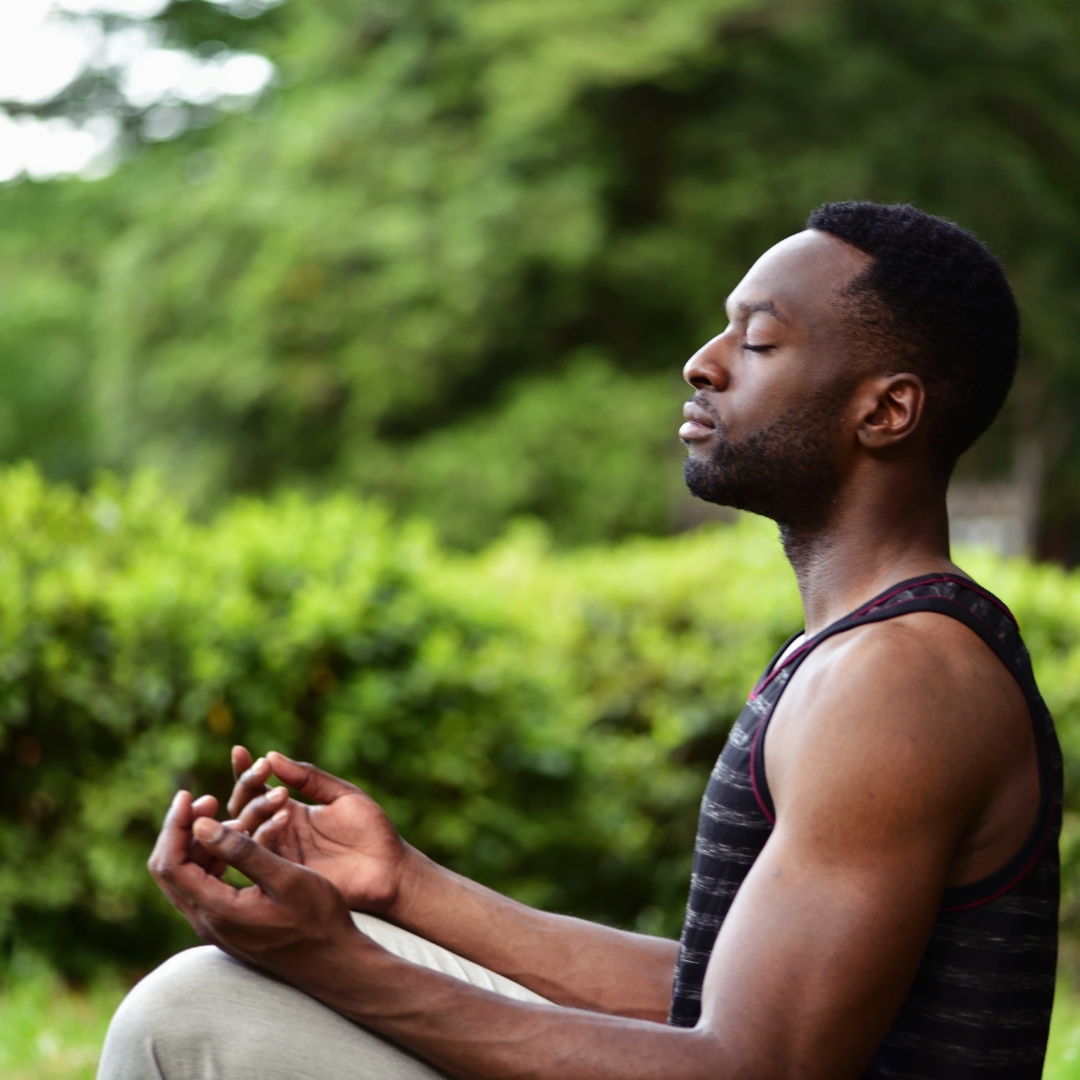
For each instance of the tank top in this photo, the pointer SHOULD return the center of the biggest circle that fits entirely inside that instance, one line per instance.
(979, 1006)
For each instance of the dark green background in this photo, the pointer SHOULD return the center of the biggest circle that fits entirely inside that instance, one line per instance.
(458, 257)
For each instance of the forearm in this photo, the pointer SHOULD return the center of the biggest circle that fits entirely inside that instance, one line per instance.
(569, 961)
(473, 1034)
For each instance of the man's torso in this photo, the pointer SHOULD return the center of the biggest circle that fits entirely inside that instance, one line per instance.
(980, 1001)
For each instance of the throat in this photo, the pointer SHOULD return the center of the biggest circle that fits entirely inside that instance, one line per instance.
(807, 549)
(838, 569)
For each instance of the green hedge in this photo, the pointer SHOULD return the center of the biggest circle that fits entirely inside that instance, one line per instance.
(541, 721)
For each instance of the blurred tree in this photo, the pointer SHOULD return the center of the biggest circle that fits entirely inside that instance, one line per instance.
(459, 258)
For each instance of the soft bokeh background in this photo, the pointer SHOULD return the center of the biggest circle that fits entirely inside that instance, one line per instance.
(367, 318)
(453, 253)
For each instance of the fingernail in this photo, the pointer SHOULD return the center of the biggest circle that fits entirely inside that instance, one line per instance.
(209, 830)
(277, 793)
(280, 816)
(258, 764)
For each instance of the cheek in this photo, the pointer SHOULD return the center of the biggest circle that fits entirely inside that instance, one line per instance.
(761, 391)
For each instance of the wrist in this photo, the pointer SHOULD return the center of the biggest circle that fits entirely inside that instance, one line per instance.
(415, 882)
(343, 974)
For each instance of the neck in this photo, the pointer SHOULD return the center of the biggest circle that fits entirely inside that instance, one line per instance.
(877, 533)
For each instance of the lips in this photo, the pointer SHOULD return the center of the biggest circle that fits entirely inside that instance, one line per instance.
(699, 425)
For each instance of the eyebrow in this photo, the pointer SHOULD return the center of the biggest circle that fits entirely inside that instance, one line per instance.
(746, 309)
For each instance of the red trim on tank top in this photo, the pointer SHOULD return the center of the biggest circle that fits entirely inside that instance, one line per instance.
(1012, 884)
(811, 642)
(877, 603)
(780, 666)
(902, 587)
(964, 583)
(770, 817)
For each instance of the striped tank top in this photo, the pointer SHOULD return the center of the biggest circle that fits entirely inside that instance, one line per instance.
(979, 1006)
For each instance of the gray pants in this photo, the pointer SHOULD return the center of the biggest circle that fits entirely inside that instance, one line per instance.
(204, 1016)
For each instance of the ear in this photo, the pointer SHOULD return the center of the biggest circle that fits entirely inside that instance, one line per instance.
(890, 409)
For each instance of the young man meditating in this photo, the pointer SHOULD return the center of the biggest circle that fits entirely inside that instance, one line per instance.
(875, 876)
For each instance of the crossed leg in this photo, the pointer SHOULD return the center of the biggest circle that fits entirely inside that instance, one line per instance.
(204, 1016)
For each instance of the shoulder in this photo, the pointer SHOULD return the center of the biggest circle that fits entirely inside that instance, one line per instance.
(914, 712)
(909, 668)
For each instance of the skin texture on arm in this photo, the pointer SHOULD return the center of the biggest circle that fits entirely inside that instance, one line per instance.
(817, 952)
(348, 838)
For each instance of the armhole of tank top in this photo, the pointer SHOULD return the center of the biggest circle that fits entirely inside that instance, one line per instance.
(1016, 868)
(757, 770)
(1001, 881)
(758, 780)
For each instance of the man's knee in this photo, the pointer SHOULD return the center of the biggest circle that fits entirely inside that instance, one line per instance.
(174, 1008)
(203, 1014)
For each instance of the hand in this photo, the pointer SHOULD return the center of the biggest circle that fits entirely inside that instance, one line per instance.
(346, 837)
(285, 922)
(205, 806)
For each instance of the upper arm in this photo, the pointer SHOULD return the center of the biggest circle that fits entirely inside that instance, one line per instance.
(874, 780)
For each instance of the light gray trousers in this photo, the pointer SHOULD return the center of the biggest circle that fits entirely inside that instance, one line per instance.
(204, 1016)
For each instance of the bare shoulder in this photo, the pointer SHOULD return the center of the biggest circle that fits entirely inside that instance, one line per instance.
(923, 670)
(915, 713)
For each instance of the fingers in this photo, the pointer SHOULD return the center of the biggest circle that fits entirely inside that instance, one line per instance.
(170, 862)
(250, 784)
(269, 871)
(313, 783)
(204, 806)
(241, 760)
(269, 833)
(175, 836)
(260, 810)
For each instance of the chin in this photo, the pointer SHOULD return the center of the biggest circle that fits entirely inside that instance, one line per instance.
(710, 484)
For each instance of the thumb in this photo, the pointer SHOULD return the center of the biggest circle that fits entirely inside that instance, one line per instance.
(269, 871)
(313, 783)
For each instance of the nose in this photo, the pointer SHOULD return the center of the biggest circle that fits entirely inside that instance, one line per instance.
(708, 368)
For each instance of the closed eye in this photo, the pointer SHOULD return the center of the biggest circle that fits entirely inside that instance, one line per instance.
(757, 348)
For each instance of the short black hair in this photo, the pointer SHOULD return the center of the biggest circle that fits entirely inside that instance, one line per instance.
(936, 302)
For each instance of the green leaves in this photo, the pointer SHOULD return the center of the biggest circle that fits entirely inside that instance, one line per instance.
(525, 717)
(541, 721)
(452, 209)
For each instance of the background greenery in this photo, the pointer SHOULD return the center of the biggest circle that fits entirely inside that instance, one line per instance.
(457, 257)
(447, 271)
(542, 721)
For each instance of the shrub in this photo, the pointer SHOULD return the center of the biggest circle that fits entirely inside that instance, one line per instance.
(541, 721)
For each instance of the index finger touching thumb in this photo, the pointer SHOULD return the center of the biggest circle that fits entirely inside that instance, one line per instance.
(266, 869)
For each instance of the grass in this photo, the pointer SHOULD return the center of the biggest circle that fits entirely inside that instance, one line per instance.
(49, 1031)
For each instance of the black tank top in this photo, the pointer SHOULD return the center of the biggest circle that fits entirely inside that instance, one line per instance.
(979, 1006)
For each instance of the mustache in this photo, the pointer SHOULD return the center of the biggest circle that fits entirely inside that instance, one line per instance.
(721, 440)
(703, 403)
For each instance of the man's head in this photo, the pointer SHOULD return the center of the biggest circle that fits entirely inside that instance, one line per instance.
(880, 330)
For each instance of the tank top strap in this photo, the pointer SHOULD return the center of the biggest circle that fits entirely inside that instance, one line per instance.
(983, 613)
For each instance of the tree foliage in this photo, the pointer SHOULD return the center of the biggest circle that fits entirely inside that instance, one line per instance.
(457, 214)
(542, 721)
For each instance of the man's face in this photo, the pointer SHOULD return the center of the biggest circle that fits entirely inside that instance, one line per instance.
(765, 428)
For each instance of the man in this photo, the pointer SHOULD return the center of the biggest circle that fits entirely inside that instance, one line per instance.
(875, 876)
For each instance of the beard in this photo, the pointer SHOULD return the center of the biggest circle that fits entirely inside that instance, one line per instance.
(788, 471)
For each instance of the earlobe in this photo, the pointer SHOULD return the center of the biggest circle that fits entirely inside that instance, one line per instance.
(893, 412)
